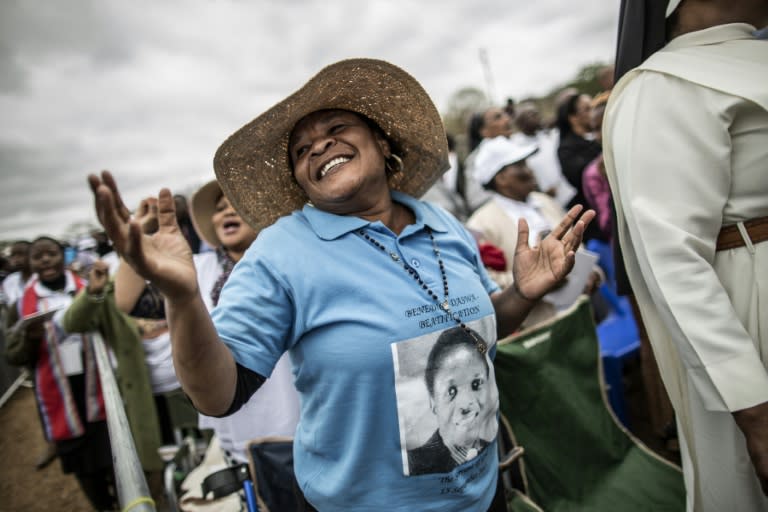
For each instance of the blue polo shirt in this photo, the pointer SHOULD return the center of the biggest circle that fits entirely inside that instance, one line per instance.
(359, 330)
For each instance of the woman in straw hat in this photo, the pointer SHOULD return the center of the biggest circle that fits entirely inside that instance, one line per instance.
(274, 410)
(352, 276)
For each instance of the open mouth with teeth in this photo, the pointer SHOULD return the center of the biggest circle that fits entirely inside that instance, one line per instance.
(332, 165)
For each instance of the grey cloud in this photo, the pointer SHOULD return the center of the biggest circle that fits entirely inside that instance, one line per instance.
(150, 89)
(35, 34)
(35, 186)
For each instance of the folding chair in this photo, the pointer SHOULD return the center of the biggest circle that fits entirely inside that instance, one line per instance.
(271, 465)
(206, 482)
(270, 485)
(578, 456)
(512, 471)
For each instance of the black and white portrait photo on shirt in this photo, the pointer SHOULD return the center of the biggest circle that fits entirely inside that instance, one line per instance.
(447, 401)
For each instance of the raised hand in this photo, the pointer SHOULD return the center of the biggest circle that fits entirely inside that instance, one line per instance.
(538, 270)
(98, 277)
(163, 257)
(146, 215)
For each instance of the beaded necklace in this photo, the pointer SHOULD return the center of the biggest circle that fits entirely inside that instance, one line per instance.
(445, 305)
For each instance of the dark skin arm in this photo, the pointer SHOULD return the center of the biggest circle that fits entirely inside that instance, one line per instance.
(753, 422)
(204, 365)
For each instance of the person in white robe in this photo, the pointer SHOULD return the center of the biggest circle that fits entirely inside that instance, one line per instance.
(685, 149)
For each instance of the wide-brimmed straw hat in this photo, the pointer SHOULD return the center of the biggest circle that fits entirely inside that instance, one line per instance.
(202, 206)
(253, 165)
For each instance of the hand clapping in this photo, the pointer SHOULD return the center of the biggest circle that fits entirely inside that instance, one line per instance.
(163, 257)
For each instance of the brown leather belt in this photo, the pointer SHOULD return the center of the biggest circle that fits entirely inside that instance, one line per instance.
(730, 237)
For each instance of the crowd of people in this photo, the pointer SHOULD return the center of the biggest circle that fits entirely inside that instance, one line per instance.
(98, 291)
(307, 293)
(91, 290)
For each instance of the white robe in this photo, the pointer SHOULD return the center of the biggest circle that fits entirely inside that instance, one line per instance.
(686, 150)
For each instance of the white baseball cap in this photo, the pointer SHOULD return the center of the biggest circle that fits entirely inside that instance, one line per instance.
(495, 154)
(86, 243)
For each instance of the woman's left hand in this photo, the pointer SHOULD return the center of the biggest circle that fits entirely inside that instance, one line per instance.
(538, 270)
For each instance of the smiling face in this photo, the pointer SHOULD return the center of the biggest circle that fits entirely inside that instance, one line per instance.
(460, 396)
(339, 161)
(233, 233)
(46, 259)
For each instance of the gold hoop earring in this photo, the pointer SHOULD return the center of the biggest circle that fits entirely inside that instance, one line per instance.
(394, 164)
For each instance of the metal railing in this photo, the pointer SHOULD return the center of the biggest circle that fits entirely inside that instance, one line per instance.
(132, 490)
(11, 377)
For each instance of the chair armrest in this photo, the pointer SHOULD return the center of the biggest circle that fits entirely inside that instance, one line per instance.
(510, 457)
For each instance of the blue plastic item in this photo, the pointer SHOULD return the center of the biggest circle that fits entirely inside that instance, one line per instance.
(619, 341)
(250, 496)
(70, 253)
(605, 252)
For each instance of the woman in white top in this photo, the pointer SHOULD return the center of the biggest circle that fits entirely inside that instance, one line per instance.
(274, 411)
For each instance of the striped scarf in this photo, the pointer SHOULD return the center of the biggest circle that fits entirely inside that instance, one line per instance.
(58, 409)
(227, 264)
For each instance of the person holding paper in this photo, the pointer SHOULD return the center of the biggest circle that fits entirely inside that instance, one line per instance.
(67, 385)
(500, 166)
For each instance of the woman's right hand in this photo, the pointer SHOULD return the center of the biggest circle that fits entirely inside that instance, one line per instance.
(163, 257)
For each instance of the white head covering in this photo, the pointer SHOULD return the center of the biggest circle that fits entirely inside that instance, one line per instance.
(495, 154)
(671, 6)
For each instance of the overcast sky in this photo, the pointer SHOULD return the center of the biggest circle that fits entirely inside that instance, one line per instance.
(150, 89)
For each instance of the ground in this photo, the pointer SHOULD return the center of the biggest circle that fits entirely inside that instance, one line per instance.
(22, 488)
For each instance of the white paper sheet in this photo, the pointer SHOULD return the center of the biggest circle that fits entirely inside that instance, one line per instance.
(567, 294)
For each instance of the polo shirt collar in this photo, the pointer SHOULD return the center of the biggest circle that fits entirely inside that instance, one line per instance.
(329, 226)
